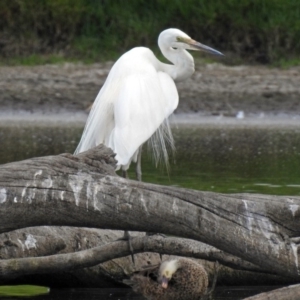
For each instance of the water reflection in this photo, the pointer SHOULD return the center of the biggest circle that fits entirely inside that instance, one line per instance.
(230, 160)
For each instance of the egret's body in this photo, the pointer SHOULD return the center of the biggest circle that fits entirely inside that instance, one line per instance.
(138, 97)
(135, 100)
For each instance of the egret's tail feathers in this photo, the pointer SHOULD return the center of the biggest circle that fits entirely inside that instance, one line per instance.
(98, 127)
(161, 144)
(85, 143)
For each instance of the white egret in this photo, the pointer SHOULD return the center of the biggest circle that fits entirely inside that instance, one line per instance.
(137, 98)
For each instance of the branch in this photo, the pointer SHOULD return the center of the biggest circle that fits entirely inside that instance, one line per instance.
(91, 257)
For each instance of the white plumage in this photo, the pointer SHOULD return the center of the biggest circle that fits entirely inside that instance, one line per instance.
(137, 98)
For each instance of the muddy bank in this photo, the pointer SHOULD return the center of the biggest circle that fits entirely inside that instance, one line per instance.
(214, 89)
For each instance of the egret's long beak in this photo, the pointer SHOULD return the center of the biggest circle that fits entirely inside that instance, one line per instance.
(200, 47)
(164, 282)
(194, 45)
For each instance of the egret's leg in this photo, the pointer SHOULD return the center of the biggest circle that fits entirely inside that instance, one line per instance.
(138, 170)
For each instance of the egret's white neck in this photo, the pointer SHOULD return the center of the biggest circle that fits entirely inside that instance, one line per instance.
(183, 63)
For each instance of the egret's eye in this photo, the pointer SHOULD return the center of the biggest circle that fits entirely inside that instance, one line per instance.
(180, 39)
(174, 48)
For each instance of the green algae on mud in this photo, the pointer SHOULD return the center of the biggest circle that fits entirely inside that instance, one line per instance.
(22, 290)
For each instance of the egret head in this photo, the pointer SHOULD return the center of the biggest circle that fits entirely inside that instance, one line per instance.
(177, 39)
(166, 271)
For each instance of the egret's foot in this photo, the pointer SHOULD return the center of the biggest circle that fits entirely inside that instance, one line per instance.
(127, 237)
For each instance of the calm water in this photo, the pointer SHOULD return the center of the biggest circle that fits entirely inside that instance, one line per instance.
(220, 158)
(230, 160)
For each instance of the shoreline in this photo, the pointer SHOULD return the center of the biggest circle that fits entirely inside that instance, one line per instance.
(78, 119)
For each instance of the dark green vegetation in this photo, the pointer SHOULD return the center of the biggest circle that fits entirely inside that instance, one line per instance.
(31, 31)
(22, 290)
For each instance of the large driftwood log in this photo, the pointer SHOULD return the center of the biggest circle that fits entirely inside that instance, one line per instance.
(84, 191)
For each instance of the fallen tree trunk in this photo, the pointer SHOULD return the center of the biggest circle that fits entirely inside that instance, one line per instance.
(83, 190)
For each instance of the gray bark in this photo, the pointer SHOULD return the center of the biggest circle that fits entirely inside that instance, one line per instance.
(84, 190)
(26, 252)
(291, 292)
(38, 264)
(48, 243)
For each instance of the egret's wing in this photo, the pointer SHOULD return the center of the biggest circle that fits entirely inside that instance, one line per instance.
(100, 121)
(144, 102)
(170, 93)
(96, 127)
(134, 102)
(161, 142)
